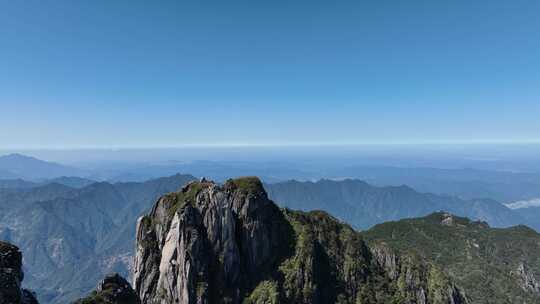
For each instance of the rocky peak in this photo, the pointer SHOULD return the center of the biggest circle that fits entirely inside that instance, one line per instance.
(206, 242)
(11, 276)
(210, 243)
(113, 289)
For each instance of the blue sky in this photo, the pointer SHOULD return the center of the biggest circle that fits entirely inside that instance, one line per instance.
(172, 73)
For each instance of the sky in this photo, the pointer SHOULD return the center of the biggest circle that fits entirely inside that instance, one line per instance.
(90, 74)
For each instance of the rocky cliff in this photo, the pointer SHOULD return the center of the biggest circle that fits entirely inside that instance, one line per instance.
(230, 244)
(11, 276)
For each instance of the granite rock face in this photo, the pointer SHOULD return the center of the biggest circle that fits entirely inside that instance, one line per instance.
(207, 243)
(229, 243)
(11, 276)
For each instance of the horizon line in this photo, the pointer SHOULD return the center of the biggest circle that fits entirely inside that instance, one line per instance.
(274, 144)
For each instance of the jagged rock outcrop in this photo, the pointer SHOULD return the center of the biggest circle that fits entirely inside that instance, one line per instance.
(11, 276)
(230, 244)
(113, 289)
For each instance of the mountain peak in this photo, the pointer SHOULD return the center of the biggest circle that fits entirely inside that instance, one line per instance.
(231, 244)
(16, 155)
(31, 168)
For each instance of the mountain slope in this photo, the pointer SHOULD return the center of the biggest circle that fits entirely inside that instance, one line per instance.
(231, 244)
(492, 265)
(13, 199)
(363, 205)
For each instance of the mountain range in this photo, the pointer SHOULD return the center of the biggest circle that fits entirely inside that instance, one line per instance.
(73, 236)
(63, 229)
(230, 243)
(467, 183)
(505, 186)
(363, 205)
(69, 224)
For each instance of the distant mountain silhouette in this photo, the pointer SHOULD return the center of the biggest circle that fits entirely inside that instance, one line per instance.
(71, 181)
(16, 184)
(13, 166)
(363, 205)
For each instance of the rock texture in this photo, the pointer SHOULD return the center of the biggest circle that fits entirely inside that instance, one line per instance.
(113, 289)
(11, 276)
(231, 244)
(411, 272)
(527, 279)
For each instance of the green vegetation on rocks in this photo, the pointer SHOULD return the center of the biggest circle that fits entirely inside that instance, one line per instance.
(492, 265)
(265, 293)
(247, 184)
(113, 289)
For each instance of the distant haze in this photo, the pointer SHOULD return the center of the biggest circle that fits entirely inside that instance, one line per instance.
(525, 157)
